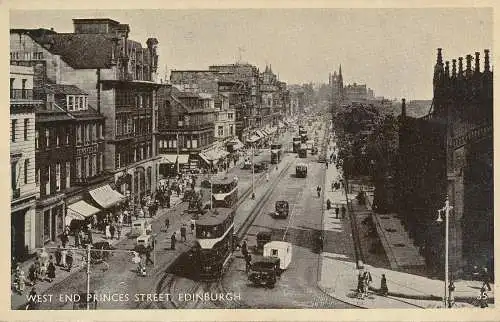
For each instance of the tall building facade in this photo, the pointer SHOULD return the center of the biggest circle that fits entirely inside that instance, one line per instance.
(449, 153)
(25, 225)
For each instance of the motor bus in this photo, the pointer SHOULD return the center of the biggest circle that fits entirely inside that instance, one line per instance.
(301, 170)
(214, 243)
(296, 144)
(303, 151)
(224, 192)
(276, 153)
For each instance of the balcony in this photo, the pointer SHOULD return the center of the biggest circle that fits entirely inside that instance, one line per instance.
(21, 94)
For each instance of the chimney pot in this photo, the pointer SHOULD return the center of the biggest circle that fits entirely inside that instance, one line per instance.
(454, 68)
(439, 57)
(468, 69)
(403, 108)
(460, 66)
(447, 69)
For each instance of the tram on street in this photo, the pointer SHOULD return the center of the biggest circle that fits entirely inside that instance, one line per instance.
(303, 151)
(276, 153)
(301, 170)
(296, 144)
(214, 243)
(224, 192)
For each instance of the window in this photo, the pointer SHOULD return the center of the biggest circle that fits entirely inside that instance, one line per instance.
(94, 164)
(101, 131)
(142, 152)
(220, 131)
(82, 107)
(194, 143)
(23, 93)
(13, 130)
(87, 133)
(86, 102)
(68, 130)
(37, 134)
(77, 103)
(78, 167)
(37, 177)
(101, 161)
(67, 169)
(58, 177)
(13, 175)
(117, 160)
(47, 182)
(57, 138)
(78, 133)
(118, 126)
(26, 125)
(70, 103)
(230, 116)
(94, 132)
(231, 130)
(26, 167)
(47, 137)
(12, 87)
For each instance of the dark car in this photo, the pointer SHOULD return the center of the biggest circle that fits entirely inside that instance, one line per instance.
(281, 207)
(263, 237)
(264, 270)
(205, 183)
(322, 158)
(261, 166)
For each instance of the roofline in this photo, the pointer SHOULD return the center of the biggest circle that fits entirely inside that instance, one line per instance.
(95, 19)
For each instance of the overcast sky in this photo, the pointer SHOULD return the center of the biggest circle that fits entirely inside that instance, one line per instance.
(393, 51)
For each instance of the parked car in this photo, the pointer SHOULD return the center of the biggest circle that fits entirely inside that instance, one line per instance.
(263, 237)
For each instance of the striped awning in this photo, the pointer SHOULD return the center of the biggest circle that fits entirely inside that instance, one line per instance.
(106, 197)
(80, 210)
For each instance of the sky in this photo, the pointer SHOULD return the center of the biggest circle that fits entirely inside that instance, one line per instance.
(393, 51)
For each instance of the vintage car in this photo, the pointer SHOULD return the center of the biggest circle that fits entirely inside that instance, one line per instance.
(264, 270)
(281, 209)
(263, 237)
(261, 166)
(281, 250)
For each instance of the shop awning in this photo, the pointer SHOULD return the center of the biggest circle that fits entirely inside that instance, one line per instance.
(237, 145)
(253, 138)
(106, 197)
(168, 158)
(80, 210)
(260, 133)
(183, 158)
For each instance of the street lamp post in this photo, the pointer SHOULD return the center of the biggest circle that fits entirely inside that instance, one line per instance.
(253, 173)
(446, 211)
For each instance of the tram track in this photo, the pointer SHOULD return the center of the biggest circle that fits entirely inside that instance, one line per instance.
(168, 281)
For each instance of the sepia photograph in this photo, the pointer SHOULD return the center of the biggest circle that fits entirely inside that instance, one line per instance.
(251, 158)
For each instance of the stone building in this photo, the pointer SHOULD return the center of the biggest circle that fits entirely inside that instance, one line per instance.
(449, 152)
(26, 226)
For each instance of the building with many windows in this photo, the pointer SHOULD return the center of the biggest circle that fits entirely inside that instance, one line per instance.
(26, 226)
(119, 75)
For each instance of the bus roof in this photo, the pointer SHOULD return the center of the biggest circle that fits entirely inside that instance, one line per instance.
(301, 165)
(214, 217)
(222, 180)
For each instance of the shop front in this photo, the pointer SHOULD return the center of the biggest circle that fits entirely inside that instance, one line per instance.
(50, 213)
(79, 214)
(23, 239)
(169, 162)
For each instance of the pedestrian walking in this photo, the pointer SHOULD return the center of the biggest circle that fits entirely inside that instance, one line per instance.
(167, 224)
(451, 294)
(318, 190)
(77, 238)
(193, 223)
(89, 236)
(486, 278)
(148, 255)
(173, 240)
(244, 249)
(337, 210)
(58, 255)
(108, 231)
(20, 281)
(383, 286)
(183, 232)
(64, 253)
(343, 210)
(326, 164)
(112, 231)
(367, 279)
(267, 176)
(360, 289)
(248, 262)
(64, 239)
(51, 270)
(119, 231)
(333, 185)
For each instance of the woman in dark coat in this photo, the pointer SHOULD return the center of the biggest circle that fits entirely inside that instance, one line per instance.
(383, 285)
(51, 271)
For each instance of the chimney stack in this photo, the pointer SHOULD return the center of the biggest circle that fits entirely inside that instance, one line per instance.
(486, 60)
(476, 66)
(447, 69)
(454, 68)
(460, 67)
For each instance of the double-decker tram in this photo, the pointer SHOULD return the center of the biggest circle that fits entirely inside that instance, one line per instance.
(276, 153)
(303, 151)
(214, 243)
(296, 144)
(224, 192)
(301, 170)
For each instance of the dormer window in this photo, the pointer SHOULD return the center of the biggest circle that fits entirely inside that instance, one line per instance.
(71, 104)
(77, 102)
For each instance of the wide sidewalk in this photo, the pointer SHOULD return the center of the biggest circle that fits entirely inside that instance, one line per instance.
(339, 274)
